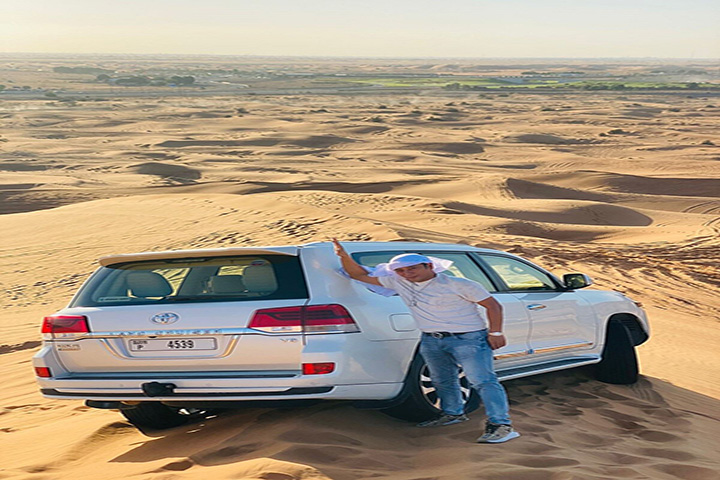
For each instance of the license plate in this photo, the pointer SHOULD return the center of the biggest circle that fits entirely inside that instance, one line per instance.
(172, 344)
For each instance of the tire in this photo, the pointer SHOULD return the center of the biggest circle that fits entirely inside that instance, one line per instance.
(156, 415)
(420, 397)
(619, 363)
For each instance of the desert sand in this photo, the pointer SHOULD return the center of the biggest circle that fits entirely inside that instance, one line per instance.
(623, 187)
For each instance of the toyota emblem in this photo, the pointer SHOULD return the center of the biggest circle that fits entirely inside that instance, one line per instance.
(165, 318)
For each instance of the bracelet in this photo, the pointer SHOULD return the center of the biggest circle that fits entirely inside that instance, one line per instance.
(495, 334)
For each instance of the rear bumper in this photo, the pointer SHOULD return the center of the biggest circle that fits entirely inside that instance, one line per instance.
(196, 390)
(292, 392)
(365, 370)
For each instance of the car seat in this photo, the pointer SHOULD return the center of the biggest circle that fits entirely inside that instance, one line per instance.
(226, 284)
(260, 278)
(148, 284)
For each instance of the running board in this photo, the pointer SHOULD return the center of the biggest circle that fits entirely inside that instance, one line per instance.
(518, 372)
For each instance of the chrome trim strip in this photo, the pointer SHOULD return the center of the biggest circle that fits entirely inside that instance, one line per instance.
(193, 333)
(512, 373)
(511, 355)
(179, 333)
(563, 347)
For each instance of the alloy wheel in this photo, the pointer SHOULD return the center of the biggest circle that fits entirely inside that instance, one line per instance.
(429, 392)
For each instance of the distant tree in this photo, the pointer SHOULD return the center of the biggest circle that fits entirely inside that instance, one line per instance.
(81, 70)
(2, 87)
(103, 77)
(136, 81)
(182, 80)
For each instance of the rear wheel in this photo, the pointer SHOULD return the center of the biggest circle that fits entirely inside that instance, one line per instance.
(156, 415)
(421, 401)
(619, 361)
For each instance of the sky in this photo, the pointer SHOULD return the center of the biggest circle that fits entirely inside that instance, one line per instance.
(366, 28)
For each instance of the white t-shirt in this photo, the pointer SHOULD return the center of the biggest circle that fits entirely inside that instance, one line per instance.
(443, 303)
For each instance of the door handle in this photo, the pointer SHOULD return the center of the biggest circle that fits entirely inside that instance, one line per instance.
(536, 306)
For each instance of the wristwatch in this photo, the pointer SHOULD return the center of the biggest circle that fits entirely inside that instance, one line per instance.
(495, 334)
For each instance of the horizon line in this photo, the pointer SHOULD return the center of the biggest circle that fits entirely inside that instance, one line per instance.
(225, 55)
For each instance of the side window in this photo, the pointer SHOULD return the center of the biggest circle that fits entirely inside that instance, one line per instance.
(371, 259)
(463, 266)
(518, 275)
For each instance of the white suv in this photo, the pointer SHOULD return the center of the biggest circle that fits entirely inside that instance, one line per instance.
(162, 335)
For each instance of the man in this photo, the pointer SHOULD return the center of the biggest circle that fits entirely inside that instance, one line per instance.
(454, 332)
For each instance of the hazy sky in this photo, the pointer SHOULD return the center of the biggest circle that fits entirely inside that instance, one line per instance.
(390, 28)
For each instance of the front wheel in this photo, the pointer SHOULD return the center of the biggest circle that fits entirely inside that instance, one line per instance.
(156, 415)
(421, 401)
(619, 363)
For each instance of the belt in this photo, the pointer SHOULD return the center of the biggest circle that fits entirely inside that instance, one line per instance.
(444, 334)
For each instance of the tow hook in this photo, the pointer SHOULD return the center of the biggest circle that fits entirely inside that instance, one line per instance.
(157, 389)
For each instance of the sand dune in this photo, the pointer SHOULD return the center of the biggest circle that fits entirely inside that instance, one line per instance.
(598, 214)
(312, 141)
(620, 188)
(452, 147)
(529, 189)
(542, 138)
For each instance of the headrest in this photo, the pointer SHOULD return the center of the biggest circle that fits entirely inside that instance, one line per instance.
(260, 277)
(226, 284)
(148, 284)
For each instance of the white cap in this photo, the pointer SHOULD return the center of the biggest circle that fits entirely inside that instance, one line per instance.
(408, 260)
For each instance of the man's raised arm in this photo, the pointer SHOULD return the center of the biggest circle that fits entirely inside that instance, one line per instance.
(352, 268)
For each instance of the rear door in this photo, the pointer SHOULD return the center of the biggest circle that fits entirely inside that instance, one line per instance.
(187, 314)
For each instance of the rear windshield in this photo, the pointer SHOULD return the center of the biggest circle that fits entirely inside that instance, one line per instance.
(191, 280)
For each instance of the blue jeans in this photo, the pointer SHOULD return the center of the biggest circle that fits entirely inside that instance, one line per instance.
(471, 351)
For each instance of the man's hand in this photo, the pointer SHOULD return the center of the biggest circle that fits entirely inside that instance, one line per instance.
(339, 249)
(495, 321)
(352, 268)
(497, 341)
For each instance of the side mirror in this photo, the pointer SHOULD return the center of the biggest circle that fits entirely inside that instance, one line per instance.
(573, 281)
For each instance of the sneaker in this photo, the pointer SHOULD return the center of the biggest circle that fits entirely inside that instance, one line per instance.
(497, 434)
(444, 420)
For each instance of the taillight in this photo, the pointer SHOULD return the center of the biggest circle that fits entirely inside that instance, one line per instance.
(278, 320)
(65, 325)
(43, 372)
(326, 318)
(308, 319)
(318, 368)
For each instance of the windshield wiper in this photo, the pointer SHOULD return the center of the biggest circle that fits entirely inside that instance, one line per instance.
(179, 298)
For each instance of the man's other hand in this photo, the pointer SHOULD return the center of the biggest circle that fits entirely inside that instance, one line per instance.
(497, 341)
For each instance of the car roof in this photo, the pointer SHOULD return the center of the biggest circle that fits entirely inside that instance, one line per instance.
(291, 250)
(400, 245)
